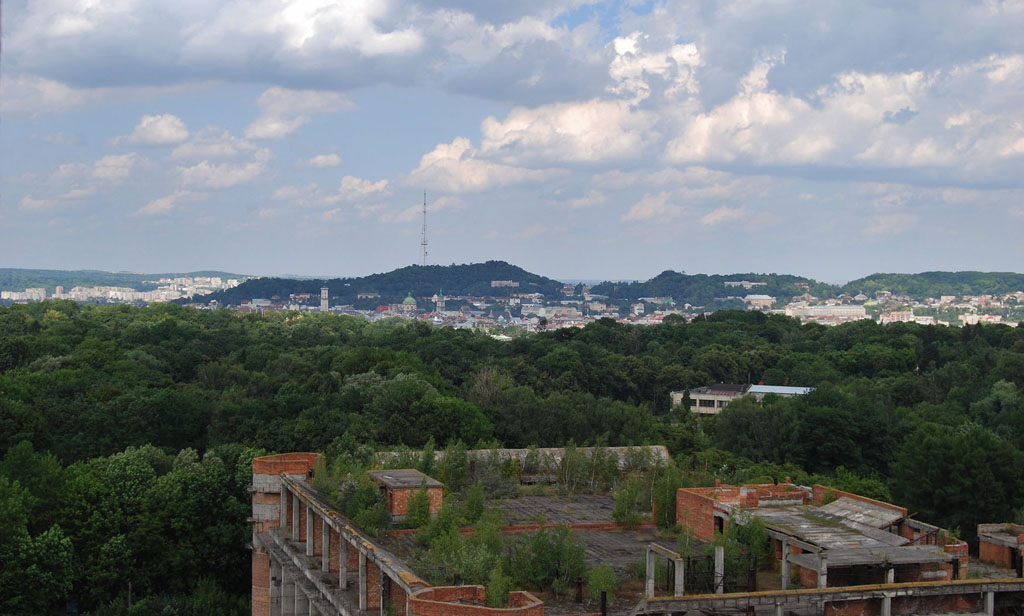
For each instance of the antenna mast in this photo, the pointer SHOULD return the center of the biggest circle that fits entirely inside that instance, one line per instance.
(423, 236)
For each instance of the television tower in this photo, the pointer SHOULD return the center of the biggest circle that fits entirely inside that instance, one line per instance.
(423, 235)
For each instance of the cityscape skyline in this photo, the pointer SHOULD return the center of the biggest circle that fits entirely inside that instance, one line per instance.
(582, 140)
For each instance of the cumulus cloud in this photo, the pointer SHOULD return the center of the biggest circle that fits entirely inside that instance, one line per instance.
(350, 189)
(322, 161)
(168, 204)
(457, 167)
(213, 142)
(165, 129)
(283, 111)
(225, 175)
(587, 132)
(413, 212)
(894, 223)
(657, 208)
(722, 215)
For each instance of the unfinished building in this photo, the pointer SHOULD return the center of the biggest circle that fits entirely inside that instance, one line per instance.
(1002, 545)
(825, 537)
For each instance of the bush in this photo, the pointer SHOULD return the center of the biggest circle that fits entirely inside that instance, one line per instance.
(601, 579)
(498, 587)
(626, 498)
(418, 512)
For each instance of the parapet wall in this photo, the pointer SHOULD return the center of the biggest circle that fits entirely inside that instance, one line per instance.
(470, 601)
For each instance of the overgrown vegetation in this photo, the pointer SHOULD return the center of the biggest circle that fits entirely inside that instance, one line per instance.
(106, 398)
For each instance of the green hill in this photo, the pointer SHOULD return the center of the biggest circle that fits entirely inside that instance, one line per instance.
(702, 289)
(15, 279)
(421, 281)
(935, 284)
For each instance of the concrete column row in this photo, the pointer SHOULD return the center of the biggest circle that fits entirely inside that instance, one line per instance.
(291, 599)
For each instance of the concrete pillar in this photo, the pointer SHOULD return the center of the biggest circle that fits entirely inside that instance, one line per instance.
(295, 517)
(385, 591)
(342, 562)
(325, 543)
(287, 594)
(778, 609)
(890, 575)
(314, 610)
(362, 581)
(680, 582)
(310, 531)
(822, 570)
(275, 588)
(284, 507)
(887, 604)
(301, 603)
(785, 565)
(719, 570)
(990, 603)
(650, 573)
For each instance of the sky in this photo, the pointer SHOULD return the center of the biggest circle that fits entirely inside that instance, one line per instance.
(576, 139)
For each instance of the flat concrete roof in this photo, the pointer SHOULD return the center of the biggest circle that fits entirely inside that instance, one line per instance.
(403, 478)
(844, 523)
(892, 555)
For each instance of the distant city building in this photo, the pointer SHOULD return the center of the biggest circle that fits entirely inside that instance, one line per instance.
(368, 295)
(504, 283)
(408, 307)
(710, 400)
(759, 302)
(746, 284)
(324, 300)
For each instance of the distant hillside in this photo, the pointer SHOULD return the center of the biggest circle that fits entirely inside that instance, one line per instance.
(935, 284)
(14, 279)
(702, 289)
(421, 281)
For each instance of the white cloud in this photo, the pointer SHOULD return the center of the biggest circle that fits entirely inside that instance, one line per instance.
(891, 224)
(658, 208)
(213, 142)
(414, 212)
(225, 175)
(591, 199)
(29, 203)
(350, 189)
(283, 111)
(322, 161)
(165, 129)
(25, 93)
(455, 167)
(588, 132)
(168, 204)
(723, 214)
(115, 168)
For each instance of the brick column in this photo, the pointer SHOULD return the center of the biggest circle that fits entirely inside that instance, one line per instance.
(362, 581)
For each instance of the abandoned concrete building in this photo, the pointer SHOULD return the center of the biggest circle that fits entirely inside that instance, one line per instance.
(839, 553)
(1003, 545)
(711, 399)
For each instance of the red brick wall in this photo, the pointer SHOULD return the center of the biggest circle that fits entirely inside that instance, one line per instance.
(398, 500)
(289, 463)
(993, 553)
(302, 521)
(696, 512)
(335, 551)
(398, 600)
(318, 541)
(260, 583)
(966, 603)
(820, 491)
(959, 548)
(372, 586)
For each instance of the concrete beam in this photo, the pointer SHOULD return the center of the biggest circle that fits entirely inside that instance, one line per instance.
(287, 594)
(283, 519)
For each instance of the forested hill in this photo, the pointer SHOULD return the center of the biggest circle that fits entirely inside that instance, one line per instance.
(936, 284)
(421, 281)
(702, 289)
(14, 279)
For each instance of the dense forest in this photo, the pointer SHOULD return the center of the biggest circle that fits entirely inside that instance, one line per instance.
(702, 289)
(12, 279)
(473, 279)
(937, 284)
(126, 434)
